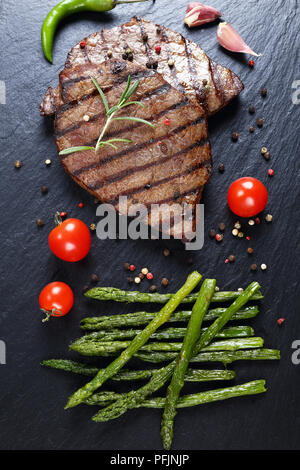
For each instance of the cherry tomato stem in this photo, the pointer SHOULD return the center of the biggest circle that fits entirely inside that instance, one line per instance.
(56, 300)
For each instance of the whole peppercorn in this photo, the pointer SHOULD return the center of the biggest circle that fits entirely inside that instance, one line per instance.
(48, 162)
(166, 252)
(109, 53)
(18, 164)
(253, 267)
(231, 259)
(164, 281)
(237, 225)
(212, 233)
(149, 276)
(153, 288)
(250, 250)
(235, 136)
(137, 280)
(221, 168)
(269, 218)
(171, 63)
(127, 266)
(263, 266)
(251, 63)
(270, 172)
(44, 189)
(260, 122)
(131, 267)
(263, 92)
(251, 129)
(280, 321)
(251, 222)
(93, 227)
(235, 232)
(40, 223)
(263, 150)
(222, 226)
(240, 235)
(80, 205)
(130, 57)
(145, 271)
(251, 109)
(94, 278)
(257, 220)
(85, 289)
(219, 237)
(157, 49)
(267, 155)
(130, 280)
(141, 276)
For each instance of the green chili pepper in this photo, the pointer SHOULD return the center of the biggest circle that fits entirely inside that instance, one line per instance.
(68, 7)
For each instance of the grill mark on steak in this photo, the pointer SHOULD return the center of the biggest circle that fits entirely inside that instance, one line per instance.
(140, 189)
(70, 104)
(187, 192)
(147, 48)
(199, 92)
(166, 40)
(156, 92)
(122, 174)
(216, 79)
(104, 46)
(134, 148)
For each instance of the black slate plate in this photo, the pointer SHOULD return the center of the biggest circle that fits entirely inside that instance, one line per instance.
(31, 398)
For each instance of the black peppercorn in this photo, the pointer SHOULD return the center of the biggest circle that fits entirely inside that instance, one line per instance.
(166, 252)
(267, 155)
(253, 267)
(94, 278)
(164, 281)
(235, 136)
(130, 280)
(44, 189)
(263, 92)
(85, 289)
(153, 288)
(222, 226)
(260, 122)
(251, 129)
(251, 109)
(250, 250)
(221, 168)
(40, 223)
(212, 233)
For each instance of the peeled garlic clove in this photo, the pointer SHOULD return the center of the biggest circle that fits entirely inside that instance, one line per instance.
(231, 40)
(198, 14)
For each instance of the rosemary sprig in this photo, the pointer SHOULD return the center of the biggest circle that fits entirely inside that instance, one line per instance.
(110, 113)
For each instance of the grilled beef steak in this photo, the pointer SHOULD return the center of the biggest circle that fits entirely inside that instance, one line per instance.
(168, 164)
(202, 80)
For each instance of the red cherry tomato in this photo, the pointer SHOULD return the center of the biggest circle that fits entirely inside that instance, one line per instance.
(247, 197)
(70, 240)
(56, 299)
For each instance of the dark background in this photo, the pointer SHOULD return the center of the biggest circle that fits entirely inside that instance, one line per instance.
(32, 398)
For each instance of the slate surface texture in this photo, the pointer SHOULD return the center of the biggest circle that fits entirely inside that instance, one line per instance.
(32, 398)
